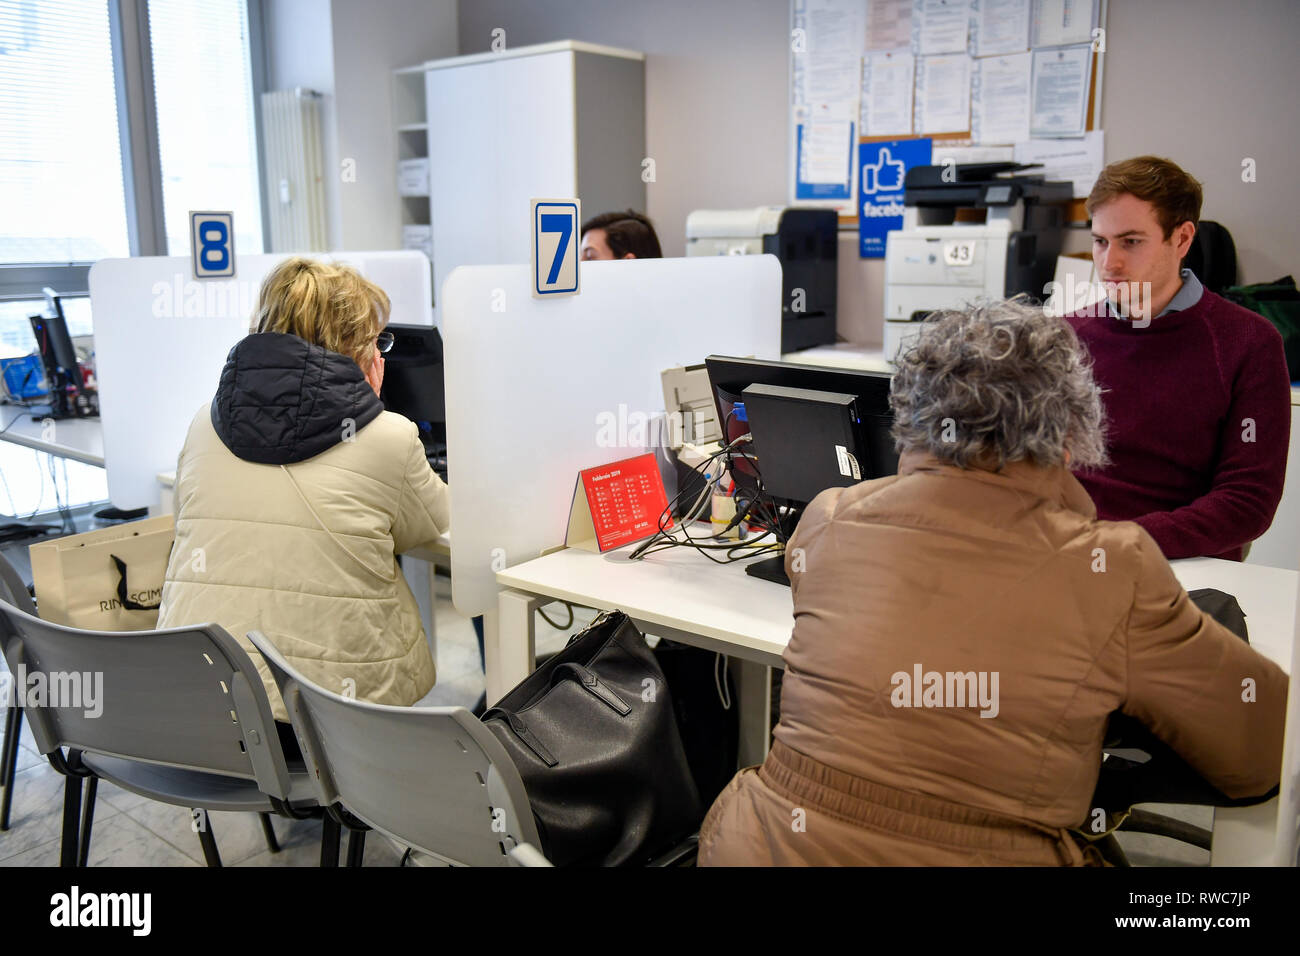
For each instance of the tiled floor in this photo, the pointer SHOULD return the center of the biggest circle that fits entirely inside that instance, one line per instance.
(130, 830)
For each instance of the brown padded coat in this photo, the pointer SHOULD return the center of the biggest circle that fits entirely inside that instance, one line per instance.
(961, 570)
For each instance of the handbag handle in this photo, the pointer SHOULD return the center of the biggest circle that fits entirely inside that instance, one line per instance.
(589, 682)
(127, 603)
(520, 730)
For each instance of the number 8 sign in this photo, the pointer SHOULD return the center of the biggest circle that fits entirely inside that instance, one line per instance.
(555, 246)
(212, 244)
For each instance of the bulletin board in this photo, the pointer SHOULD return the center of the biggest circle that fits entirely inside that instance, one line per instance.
(985, 80)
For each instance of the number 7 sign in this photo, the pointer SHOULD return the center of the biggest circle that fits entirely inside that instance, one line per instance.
(555, 246)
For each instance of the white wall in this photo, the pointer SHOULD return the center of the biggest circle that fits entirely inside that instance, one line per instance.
(370, 40)
(346, 50)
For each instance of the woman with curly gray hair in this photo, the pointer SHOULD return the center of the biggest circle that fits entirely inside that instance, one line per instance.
(964, 630)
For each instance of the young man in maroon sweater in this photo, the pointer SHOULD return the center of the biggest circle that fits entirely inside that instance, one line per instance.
(1197, 391)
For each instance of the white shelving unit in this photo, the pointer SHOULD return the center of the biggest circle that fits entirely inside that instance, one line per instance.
(410, 119)
(546, 121)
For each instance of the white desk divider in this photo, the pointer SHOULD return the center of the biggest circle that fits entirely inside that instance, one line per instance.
(161, 340)
(1287, 843)
(539, 389)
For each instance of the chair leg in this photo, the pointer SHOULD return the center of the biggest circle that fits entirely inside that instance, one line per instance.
(13, 733)
(329, 841)
(208, 841)
(70, 848)
(87, 820)
(356, 847)
(11, 713)
(272, 843)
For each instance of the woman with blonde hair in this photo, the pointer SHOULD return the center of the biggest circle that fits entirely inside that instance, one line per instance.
(296, 491)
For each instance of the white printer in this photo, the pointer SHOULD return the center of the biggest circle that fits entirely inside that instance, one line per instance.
(807, 243)
(969, 231)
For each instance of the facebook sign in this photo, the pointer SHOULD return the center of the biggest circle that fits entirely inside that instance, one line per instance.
(880, 188)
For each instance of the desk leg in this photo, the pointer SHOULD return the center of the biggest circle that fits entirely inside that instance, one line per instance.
(509, 641)
(754, 697)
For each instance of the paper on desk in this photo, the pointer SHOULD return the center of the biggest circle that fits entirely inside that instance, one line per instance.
(1000, 99)
(941, 26)
(943, 94)
(1060, 91)
(1078, 160)
(1002, 27)
(889, 24)
(1062, 22)
(887, 85)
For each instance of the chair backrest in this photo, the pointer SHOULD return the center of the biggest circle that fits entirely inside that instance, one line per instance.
(187, 697)
(434, 778)
(13, 590)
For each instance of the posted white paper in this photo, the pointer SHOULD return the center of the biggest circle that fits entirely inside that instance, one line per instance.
(835, 27)
(1002, 27)
(1062, 22)
(1001, 99)
(825, 155)
(889, 24)
(1078, 160)
(943, 25)
(943, 94)
(1060, 91)
(887, 85)
(833, 84)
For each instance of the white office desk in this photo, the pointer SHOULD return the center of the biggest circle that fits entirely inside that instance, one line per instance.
(869, 358)
(680, 595)
(80, 439)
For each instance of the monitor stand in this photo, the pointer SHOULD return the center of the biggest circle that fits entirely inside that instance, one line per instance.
(769, 569)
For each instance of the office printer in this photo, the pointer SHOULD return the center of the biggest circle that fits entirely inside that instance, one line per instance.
(982, 229)
(806, 242)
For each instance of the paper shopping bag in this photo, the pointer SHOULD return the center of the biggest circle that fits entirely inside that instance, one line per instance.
(105, 580)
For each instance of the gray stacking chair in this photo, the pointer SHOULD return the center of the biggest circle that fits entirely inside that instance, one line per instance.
(13, 592)
(183, 719)
(434, 779)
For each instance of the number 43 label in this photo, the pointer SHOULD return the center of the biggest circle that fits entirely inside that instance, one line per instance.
(212, 244)
(959, 253)
(555, 246)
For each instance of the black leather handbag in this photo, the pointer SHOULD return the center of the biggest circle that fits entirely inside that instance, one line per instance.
(593, 734)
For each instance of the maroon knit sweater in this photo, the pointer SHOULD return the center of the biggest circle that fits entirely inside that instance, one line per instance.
(1181, 398)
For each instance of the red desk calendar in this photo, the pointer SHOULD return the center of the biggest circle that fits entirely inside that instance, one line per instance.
(616, 504)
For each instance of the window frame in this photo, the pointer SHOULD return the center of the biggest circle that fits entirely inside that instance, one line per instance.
(137, 123)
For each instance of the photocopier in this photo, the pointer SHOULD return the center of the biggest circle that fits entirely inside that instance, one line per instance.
(970, 231)
(806, 242)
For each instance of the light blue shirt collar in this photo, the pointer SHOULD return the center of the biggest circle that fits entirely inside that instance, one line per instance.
(1187, 295)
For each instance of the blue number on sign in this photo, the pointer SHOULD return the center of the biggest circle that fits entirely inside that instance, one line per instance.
(214, 237)
(564, 226)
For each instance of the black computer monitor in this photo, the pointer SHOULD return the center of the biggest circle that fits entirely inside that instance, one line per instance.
(52, 338)
(413, 379)
(797, 409)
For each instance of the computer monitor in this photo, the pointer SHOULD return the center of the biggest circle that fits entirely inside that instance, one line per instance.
(809, 425)
(413, 379)
(52, 338)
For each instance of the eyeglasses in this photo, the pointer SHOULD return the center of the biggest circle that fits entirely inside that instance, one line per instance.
(384, 341)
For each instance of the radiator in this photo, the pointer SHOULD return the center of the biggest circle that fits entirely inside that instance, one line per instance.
(295, 188)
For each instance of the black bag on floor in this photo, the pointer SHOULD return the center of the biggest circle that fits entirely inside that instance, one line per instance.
(593, 734)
